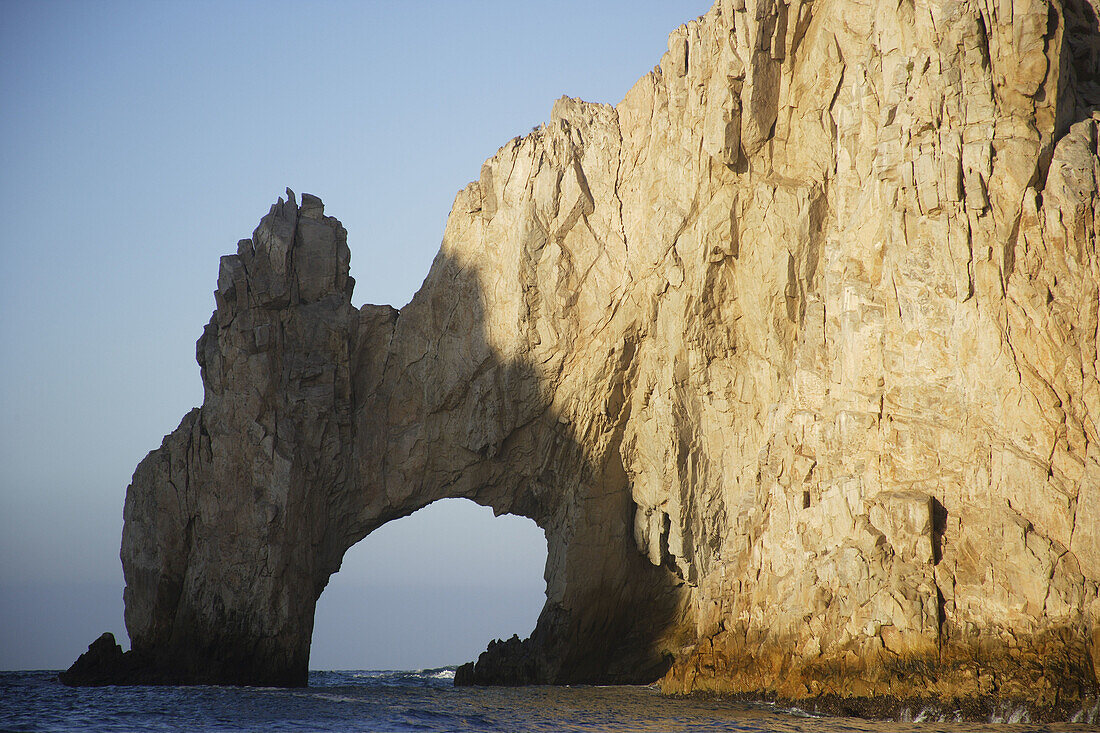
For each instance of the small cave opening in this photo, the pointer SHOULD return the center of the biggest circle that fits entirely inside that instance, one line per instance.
(431, 590)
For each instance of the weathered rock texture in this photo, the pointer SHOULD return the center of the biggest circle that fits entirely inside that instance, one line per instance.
(320, 423)
(792, 354)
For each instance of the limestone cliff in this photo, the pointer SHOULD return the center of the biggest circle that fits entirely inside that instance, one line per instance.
(792, 354)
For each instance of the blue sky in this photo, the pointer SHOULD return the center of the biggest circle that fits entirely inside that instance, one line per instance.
(138, 142)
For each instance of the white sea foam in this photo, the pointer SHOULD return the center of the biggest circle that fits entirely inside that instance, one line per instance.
(1088, 714)
(1010, 715)
(336, 698)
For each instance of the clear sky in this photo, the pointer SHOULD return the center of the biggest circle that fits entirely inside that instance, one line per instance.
(138, 142)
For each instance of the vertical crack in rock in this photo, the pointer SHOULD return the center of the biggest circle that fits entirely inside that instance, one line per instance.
(828, 426)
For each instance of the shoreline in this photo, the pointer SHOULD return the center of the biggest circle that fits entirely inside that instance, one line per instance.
(985, 709)
(988, 709)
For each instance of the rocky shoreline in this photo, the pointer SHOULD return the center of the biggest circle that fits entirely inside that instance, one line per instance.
(106, 664)
(986, 709)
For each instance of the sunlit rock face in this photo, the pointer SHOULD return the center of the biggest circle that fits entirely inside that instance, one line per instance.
(792, 355)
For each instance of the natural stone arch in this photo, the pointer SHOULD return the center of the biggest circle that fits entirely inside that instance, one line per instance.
(353, 419)
(428, 590)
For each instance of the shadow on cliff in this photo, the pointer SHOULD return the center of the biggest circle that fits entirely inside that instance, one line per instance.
(487, 429)
(320, 423)
(1082, 34)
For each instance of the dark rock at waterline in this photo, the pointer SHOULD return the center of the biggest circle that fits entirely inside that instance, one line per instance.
(103, 664)
(106, 664)
(508, 663)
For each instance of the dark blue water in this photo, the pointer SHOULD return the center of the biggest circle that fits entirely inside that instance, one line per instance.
(405, 701)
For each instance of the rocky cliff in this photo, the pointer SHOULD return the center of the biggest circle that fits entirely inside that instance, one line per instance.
(792, 354)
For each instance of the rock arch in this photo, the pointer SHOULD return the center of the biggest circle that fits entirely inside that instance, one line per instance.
(320, 423)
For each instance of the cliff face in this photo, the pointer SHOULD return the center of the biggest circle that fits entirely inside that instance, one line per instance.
(792, 354)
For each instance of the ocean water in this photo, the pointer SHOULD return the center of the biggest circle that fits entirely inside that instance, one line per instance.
(425, 700)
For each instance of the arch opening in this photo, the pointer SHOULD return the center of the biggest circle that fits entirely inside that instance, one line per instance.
(431, 589)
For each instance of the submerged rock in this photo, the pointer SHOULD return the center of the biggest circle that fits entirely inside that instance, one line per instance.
(792, 355)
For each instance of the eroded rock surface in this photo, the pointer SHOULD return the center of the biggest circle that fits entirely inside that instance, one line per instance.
(792, 354)
(321, 422)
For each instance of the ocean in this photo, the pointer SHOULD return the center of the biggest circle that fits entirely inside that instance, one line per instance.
(424, 700)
